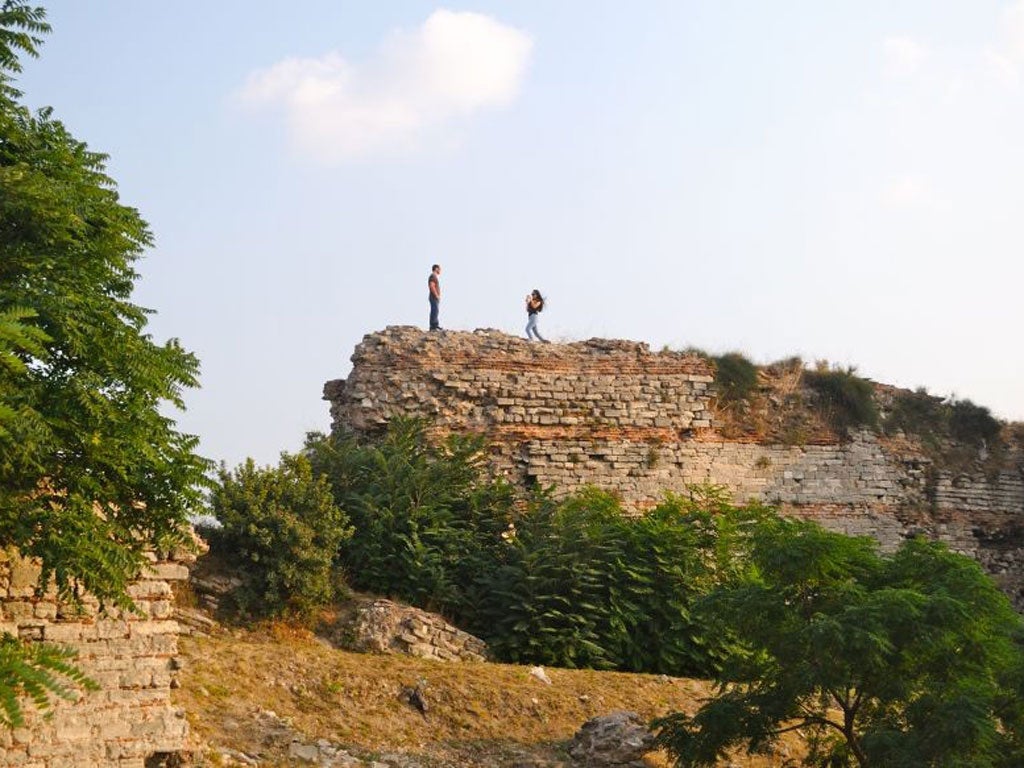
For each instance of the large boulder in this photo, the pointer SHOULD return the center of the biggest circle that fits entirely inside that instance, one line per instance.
(617, 739)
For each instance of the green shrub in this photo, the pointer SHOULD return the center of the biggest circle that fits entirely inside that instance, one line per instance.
(942, 425)
(972, 424)
(541, 601)
(427, 517)
(585, 586)
(282, 527)
(735, 377)
(848, 400)
(918, 413)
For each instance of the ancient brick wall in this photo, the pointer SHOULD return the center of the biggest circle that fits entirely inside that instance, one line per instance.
(616, 415)
(129, 720)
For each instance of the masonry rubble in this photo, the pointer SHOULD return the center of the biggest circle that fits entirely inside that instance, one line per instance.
(384, 626)
(616, 740)
(639, 423)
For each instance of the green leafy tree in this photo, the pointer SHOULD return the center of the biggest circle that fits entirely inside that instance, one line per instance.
(92, 472)
(282, 526)
(18, 341)
(906, 660)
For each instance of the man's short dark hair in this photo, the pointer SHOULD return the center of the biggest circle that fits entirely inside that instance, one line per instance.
(435, 267)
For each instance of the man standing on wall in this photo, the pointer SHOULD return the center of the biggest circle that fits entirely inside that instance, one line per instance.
(434, 286)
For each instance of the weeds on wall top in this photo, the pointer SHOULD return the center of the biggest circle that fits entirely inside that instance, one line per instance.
(848, 400)
(934, 418)
(952, 432)
(735, 374)
(735, 377)
(972, 424)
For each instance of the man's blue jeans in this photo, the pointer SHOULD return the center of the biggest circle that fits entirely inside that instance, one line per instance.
(435, 310)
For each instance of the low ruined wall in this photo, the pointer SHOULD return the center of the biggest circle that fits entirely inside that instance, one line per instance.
(129, 722)
(616, 415)
(384, 626)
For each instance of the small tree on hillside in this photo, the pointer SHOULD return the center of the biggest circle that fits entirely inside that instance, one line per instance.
(904, 660)
(92, 473)
(282, 527)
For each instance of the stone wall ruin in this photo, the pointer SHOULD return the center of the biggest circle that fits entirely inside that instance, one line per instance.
(129, 722)
(639, 423)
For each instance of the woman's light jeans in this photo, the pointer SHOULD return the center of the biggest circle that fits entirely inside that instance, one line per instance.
(531, 328)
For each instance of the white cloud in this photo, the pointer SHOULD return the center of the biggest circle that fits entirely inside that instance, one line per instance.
(911, 192)
(904, 56)
(903, 191)
(418, 82)
(1013, 30)
(1000, 68)
(1004, 63)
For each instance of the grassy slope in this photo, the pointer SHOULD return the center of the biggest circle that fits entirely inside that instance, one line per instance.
(478, 714)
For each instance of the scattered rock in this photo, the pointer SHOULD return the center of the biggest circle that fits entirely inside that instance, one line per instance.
(309, 753)
(234, 757)
(193, 621)
(414, 696)
(180, 759)
(617, 739)
(538, 673)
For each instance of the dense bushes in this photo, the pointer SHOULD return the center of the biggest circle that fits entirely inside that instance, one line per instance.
(918, 413)
(972, 424)
(569, 583)
(583, 585)
(572, 582)
(282, 527)
(427, 517)
(933, 418)
(848, 399)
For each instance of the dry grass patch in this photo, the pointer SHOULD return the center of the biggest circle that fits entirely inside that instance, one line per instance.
(477, 714)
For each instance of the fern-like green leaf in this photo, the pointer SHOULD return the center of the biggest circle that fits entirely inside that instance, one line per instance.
(38, 672)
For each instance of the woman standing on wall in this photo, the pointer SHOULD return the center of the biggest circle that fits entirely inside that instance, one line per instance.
(534, 306)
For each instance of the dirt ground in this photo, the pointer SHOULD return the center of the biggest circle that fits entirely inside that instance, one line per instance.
(256, 696)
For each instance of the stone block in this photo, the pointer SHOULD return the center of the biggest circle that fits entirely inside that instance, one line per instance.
(149, 588)
(111, 628)
(156, 627)
(19, 611)
(23, 576)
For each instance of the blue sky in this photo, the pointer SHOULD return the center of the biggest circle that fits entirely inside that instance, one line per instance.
(840, 181)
